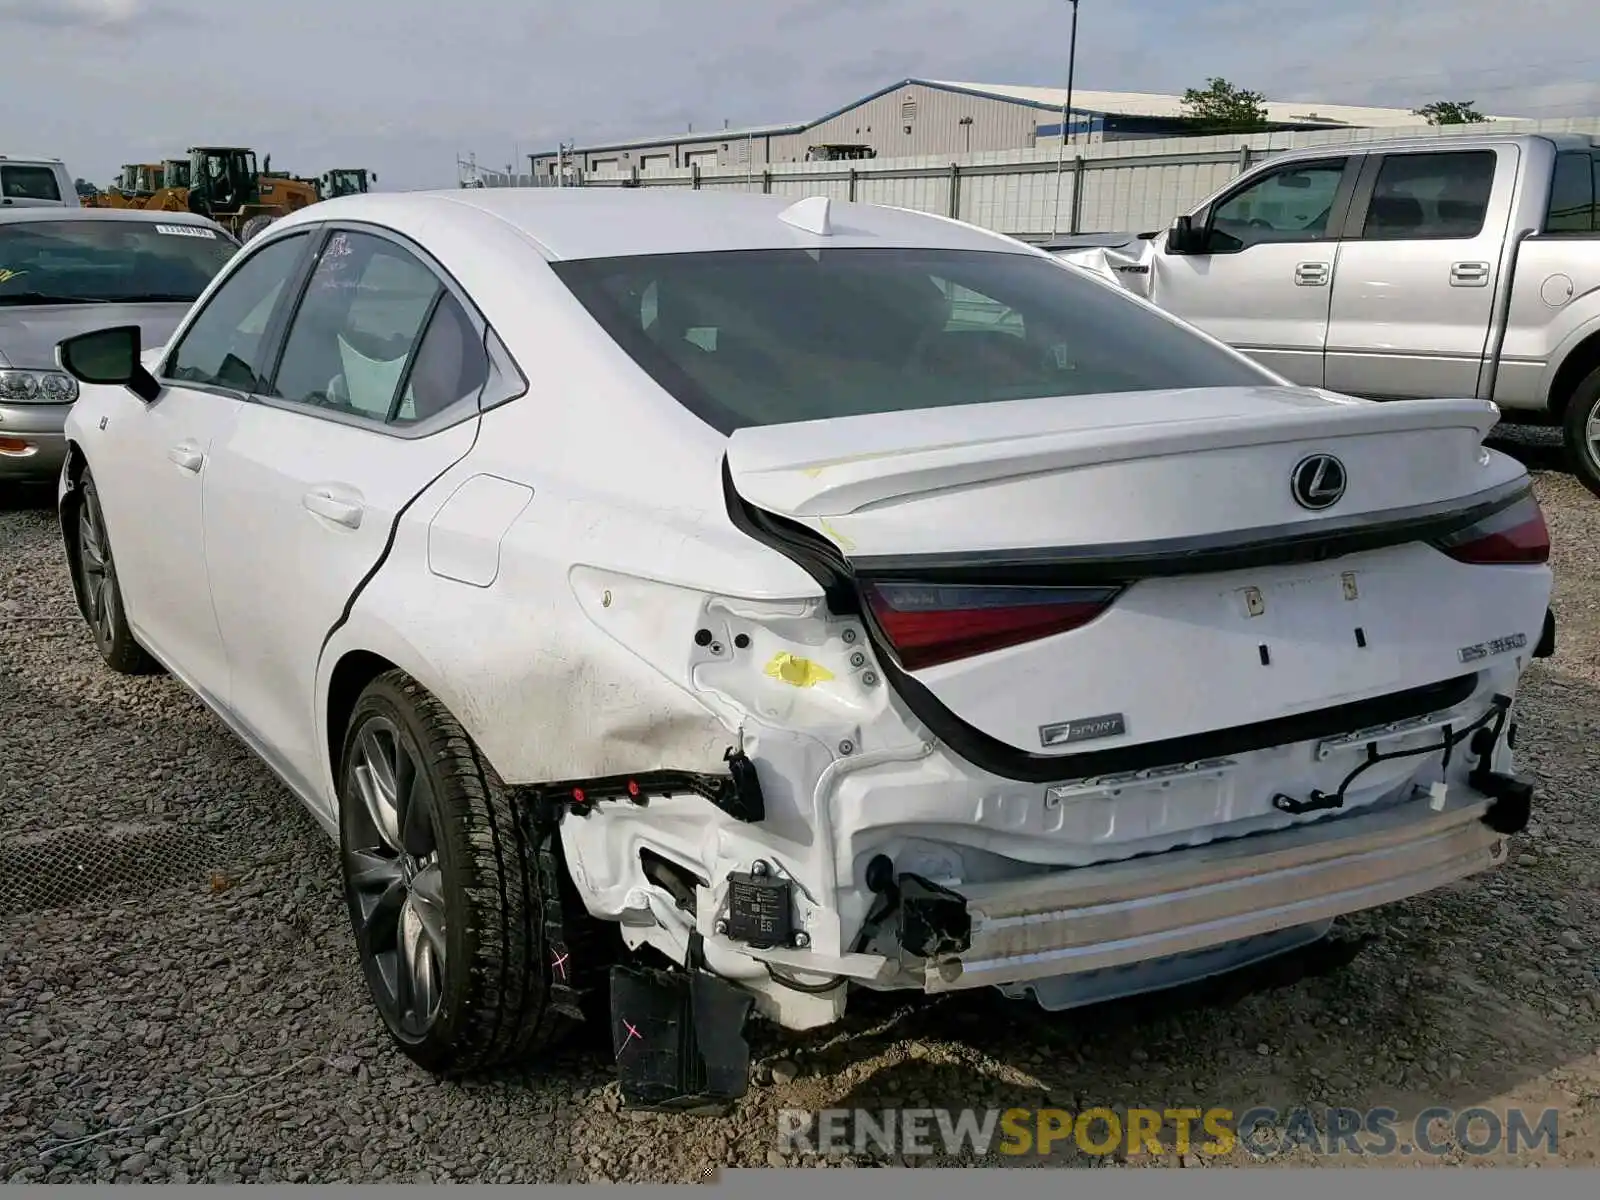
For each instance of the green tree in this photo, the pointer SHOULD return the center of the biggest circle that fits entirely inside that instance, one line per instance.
(1450, 112)
(1219, 107)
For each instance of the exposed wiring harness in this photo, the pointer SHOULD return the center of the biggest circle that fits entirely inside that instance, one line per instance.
(887, 900)
(809, 989)
(696, 961)
(1497, 713)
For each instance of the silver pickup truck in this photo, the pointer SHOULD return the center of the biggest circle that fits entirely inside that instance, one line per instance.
(1463, 266)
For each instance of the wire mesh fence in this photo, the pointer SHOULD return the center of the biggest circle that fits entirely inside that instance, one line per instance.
(63, 867)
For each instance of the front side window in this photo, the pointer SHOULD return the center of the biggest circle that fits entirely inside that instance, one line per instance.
(226, 345)
(1572, 193)
(361, 323)
(88, 260)
(1291, 205)
(1443, 194)
(29, 183)
(772, 336)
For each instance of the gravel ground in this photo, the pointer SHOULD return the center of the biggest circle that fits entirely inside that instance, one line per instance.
(189, 1006)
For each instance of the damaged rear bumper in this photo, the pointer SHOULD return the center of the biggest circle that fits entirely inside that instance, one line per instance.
(1182, 903)
(1113, 915)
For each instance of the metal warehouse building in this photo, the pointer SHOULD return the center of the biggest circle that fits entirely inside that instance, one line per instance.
(923, 116)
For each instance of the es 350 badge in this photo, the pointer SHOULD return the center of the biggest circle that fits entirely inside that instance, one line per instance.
(1500, 645)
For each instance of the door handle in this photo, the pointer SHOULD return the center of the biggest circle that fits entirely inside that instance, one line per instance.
(337, 509)
(188, 456)
(1469, 274)
(1311, 274)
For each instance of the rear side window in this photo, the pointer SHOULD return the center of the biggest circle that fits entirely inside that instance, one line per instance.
(1572, 193)
(29, 183)
(358, 325)
(768, 337)
(1432, 195)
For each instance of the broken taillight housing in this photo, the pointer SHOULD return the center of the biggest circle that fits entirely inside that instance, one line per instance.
(1514, 536)
(929, 624)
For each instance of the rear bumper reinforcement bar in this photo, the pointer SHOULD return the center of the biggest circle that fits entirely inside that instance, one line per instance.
(1093, 918)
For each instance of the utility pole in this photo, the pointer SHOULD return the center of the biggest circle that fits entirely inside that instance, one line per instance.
(1066, 110)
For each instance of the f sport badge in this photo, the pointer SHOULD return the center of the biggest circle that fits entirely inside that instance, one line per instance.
(1084, 729)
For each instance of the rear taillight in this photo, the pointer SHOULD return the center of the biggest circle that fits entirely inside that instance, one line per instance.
(1515, 536)
(929, 624)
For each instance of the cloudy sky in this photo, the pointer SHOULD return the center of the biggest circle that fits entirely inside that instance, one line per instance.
(404, 86)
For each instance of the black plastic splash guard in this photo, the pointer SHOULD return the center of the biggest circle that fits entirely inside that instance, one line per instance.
(1512, 795)
(1547, 636)
(678, 1037)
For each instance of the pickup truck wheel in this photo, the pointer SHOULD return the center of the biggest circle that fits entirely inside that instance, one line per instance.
(458, 913)
(1583, 432)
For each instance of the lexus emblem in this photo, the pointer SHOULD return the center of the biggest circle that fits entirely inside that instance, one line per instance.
(1317, 482)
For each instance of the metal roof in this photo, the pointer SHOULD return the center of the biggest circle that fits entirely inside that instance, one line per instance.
(689, 138)
(1127, 104)
(1152, 104)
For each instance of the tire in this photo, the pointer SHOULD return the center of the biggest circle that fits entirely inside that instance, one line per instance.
(254, 226)
(488, 912)
(95, 574)
(1582, 431)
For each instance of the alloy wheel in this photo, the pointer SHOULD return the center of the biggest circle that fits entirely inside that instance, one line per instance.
(1591, 435)
(99, 574)
(395, 877)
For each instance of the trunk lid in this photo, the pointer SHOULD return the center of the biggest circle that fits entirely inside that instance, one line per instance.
(1151, 551)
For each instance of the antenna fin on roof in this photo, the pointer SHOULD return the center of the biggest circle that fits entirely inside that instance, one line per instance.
(812, 215)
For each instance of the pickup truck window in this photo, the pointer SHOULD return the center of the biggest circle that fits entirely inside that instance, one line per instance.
(1291, 205)
(1572, 193)
(1430, 195)
(28, 183)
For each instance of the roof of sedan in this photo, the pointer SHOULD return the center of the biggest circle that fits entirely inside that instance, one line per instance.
(575, 223)
(45, 212)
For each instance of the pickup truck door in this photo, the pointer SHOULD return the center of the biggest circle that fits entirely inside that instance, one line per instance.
(1419, 268)
(1265, 274)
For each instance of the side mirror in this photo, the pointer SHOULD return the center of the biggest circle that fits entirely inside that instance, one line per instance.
(109, 357)
(1184, 238)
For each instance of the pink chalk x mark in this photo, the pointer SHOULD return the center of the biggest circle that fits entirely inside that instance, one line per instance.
(633, 1032)
(560, 964)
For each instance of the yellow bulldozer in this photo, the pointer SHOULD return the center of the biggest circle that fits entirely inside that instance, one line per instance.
(223, 183)
(171, 193)
(135, 184)
(347, 181)
(280, 188)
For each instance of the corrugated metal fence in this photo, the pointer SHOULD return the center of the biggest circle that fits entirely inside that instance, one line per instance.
(1096, 188)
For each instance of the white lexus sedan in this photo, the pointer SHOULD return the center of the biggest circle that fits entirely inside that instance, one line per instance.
(810, 595)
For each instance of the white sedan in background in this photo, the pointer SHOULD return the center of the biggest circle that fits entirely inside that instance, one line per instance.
(814, 594)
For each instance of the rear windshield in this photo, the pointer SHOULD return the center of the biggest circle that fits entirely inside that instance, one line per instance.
(29, 183)
(767, 337)
(44, 262)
